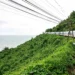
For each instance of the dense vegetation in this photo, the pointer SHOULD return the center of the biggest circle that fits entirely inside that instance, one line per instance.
(44, 55)
(65, 25)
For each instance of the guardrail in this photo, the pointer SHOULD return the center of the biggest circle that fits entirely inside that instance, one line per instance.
(65, 33)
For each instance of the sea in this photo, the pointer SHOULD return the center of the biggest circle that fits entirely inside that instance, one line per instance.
(12, 41)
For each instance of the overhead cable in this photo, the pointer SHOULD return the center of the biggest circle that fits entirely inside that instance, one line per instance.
(34, 5)
(59, 6)
(54, 7)
(26, 12)
(32, 10)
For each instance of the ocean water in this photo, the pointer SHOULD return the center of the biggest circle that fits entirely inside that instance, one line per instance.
(12, 41)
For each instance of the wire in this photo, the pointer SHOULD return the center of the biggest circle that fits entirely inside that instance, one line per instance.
(32, 10)
(26, 11)
(59, 6)
(40, 9)
(34, 5)
(54, 7)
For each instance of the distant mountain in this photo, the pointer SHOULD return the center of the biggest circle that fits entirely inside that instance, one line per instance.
(65, 25)
(46, 54)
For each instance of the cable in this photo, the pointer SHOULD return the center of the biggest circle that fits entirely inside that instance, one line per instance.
(26, 12)
(40, 9)
(59, 6)
(5, 10)
(34, 5)
(32, 10)
(54, 7)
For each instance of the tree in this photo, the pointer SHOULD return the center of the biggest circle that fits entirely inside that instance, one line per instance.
(0, 73)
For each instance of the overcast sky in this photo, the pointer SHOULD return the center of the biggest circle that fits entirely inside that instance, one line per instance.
(15, 22)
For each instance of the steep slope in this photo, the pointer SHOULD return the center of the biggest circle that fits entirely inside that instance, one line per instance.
(44, 55)
(65, 25)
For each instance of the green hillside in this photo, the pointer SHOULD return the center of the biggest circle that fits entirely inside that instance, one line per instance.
(46, 54)
(65, 25)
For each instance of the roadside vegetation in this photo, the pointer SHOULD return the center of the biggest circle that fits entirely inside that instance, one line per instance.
(46, 54)
(65, 25)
